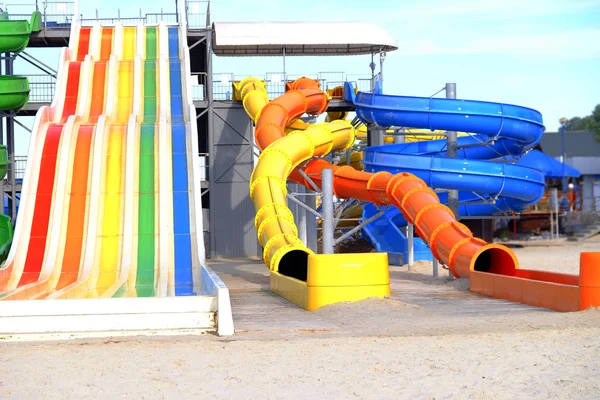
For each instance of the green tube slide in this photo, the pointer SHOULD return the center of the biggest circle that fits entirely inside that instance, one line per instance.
(14, 35)
(14, 92)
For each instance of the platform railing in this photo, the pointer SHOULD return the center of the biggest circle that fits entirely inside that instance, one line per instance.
(146, 19)
(198, 83)
(19, 167)
(198, 14)
(42, 88)
(56, 15)
(275, 82)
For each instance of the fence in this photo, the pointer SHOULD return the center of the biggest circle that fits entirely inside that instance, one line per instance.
(20, 165)
(147, 19)
(56, 15)
(275, 82)
(42, 88)
(198, 14)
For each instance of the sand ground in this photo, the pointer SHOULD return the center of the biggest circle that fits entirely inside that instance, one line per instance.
(431, 340)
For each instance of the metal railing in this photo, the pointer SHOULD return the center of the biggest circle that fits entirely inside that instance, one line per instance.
(275, 82)
(56, 15)
(198, 14)
(198, 83)
(42, 88)
(19, 167)
(146, 19)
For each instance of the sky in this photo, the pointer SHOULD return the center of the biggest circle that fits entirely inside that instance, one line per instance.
(543, 54)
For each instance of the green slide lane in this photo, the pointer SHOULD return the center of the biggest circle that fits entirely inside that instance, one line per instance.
(147, 201)
(14, 92)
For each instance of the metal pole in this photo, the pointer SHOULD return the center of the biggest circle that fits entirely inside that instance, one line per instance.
(10, 144)
(400, 137)
(327, 206)
(411, 248)
(284, 78)
(435, 267)
(563, 127)
(372, 66)
(452, 152)
(375, 135)
(381, 59)
(301, 216)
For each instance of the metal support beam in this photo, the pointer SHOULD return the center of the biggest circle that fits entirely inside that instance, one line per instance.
(21, 125)
(198, 42)
(411, 246)
(38, 64)
(452, 152)
(435, 267)
(327, 207)
(304, 206)
(358, 227)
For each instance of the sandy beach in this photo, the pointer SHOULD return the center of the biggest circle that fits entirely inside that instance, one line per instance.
(431, 340)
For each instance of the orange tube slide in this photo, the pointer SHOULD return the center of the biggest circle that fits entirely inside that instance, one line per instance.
(451, 242)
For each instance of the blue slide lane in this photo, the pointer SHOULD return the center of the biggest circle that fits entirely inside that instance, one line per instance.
(181, 205)
(489, 164)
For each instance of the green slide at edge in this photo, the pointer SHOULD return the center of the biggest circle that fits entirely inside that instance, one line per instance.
(6, 228)
(14, 35)
(14, 92)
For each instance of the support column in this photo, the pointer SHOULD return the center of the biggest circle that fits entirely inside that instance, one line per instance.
(10, 147)
(411, 246)
(327, 210)
(375, 135)
(452, 152)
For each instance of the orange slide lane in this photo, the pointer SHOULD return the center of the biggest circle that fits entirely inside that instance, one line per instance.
(451, 242)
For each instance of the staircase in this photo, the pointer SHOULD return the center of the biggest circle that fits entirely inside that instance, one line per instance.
(585, 233)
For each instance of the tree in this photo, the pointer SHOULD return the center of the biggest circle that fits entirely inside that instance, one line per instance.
(589, 123)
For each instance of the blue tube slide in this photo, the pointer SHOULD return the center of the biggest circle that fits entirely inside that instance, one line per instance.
(487, 171)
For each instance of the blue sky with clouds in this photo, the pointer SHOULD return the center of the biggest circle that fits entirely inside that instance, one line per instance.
(543, 54)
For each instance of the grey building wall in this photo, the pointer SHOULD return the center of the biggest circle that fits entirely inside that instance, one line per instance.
(232, 232)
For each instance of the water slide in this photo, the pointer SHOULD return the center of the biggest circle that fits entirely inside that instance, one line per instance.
(490, 173)
(312, 281)
(110, 204)
(292, 155)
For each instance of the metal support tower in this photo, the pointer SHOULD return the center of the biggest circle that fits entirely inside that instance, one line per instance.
(452, 152)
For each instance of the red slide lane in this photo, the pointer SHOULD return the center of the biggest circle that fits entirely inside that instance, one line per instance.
(36, 247)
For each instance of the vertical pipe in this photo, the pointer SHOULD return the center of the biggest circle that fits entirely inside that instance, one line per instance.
(399, 137)
(411, 246)
(301, 215)
(284, 74)
(10, 144)
(327, 213)
(375, 135)
(435, 267)
(311, 222)
(452, 152)
(563, 127)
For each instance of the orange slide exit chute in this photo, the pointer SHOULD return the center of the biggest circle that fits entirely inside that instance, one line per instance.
(451, 242)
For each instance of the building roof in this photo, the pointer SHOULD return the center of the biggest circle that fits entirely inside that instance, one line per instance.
(299, 38)
(577, 144)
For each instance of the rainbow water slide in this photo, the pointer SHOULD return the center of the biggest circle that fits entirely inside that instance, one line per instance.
(111, 198)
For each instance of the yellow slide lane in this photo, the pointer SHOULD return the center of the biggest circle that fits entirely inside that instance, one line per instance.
(115, 160)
